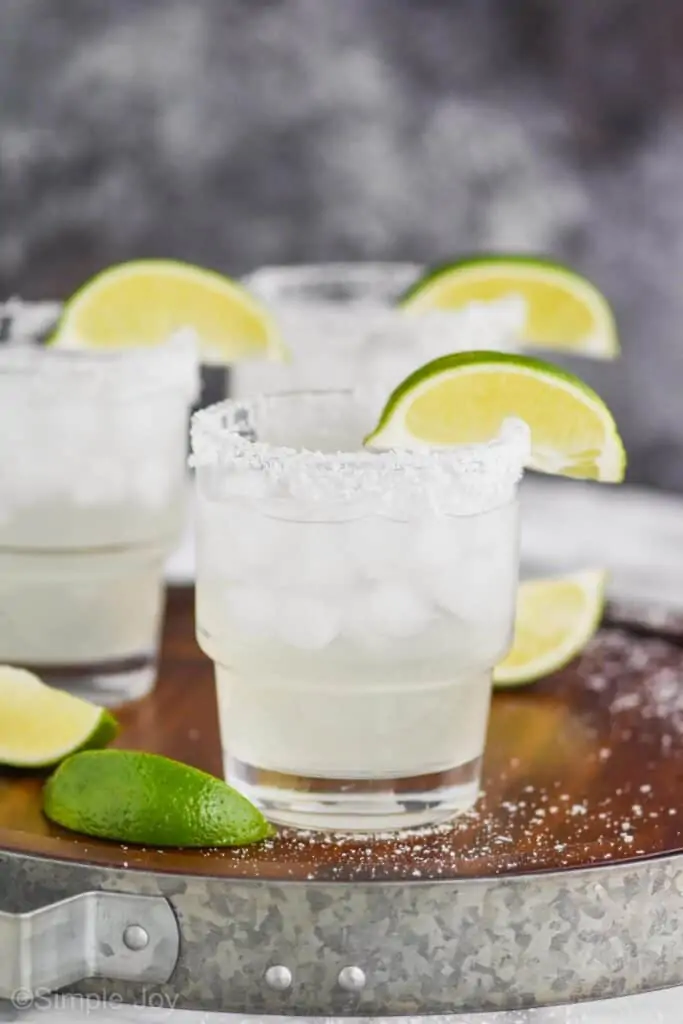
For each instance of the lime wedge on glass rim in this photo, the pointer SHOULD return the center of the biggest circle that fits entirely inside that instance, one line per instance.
(40, 726)
(565, 312)
(145, 302)
(555, 620)
(465, 398)
(135, 797)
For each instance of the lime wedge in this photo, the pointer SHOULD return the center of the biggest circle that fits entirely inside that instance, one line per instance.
(146, 302)
(39, 726)
(135, 797)
(555, 620)
(565, 311)
(464, 399)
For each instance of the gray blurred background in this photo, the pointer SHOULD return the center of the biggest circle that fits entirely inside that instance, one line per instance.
(234, 133)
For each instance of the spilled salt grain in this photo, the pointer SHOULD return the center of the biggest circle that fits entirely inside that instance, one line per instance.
(625, 703)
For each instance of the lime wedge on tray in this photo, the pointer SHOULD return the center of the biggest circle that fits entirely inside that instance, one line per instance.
(39, 726)
(145, 302)
(136, 797)
(555, 620)
(565, 311)
(465, 398)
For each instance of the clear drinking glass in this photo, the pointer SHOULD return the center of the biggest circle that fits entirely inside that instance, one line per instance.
(93, 481)
(342, 323)
(354, 604)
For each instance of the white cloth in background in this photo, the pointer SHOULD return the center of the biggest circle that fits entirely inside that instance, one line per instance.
(636, 534)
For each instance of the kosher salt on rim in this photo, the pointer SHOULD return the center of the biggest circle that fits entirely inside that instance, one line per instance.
(116, 373)
(459, 480)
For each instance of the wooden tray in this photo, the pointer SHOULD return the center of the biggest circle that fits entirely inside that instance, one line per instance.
(564, 883)
(582, 769)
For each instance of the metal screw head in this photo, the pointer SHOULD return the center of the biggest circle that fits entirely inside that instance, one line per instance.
(278, 977)
(135, 937)
(352, 979)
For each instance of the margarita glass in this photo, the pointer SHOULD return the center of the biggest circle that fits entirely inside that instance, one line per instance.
(354, 604)
(92, 499)
(343, 326)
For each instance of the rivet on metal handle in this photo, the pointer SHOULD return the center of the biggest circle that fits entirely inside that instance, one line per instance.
(279, 978)
(93, 935)
(351, 979)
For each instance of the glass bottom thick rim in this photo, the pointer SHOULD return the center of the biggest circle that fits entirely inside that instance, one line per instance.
(357, 805)
(107, 683)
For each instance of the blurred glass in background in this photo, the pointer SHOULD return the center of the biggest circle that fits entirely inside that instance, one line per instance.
(237, 135)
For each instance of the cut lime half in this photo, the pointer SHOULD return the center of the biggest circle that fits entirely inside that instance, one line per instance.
(40, 726)
(146, 302)
(466, 397)
(555, 620)
(564, 310)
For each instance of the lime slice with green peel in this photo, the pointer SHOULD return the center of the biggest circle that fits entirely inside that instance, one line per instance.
(555, 620)
(146, 302)
(465, 398)
(135, 797)
(40, 726)
(565, 311)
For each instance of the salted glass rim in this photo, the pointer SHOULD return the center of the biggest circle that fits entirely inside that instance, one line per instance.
(279, 282)
(343, 296)
(173, 365)
(471, 477)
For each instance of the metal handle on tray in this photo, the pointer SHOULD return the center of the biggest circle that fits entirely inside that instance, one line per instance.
(95, 934)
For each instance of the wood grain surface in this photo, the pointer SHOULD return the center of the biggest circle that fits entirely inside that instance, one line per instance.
(583, 769)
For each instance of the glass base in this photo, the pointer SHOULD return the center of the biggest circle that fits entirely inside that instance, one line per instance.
(107, 683)
(357, 805)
